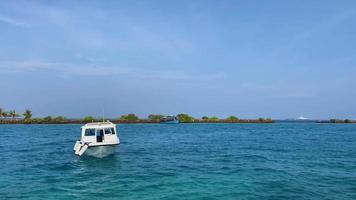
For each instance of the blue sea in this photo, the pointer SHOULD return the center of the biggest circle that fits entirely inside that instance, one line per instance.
(183, 161)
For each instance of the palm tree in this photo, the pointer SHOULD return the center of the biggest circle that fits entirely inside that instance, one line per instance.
(13, 114)
(27, 114)
(1, 112)
(5, 114)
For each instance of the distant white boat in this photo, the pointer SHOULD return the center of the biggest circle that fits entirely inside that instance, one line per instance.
(97, 139)
(302, 118)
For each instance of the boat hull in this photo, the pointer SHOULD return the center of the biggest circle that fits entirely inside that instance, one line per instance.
(170, 122)
(100, 151)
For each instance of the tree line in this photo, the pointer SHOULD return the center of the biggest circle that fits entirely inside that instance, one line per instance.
(13, 114)
(338, 121)
(26, 117)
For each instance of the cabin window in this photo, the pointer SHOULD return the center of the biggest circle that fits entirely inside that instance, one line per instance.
(113, 131)
(89, 132)
(108, 131)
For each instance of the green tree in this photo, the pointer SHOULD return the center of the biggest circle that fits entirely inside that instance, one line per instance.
(34, 121)
(184, 118)
(28, 121)
(232, 119)
(155, 117)
(88, 119)
(129, 117)
(27, 114)
(214, 119)
(132, 117)
(60, 119)
(347, 121)
(1, 112)
(47, 119)
(205, 118)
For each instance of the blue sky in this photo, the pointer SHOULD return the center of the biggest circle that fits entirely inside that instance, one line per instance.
(279, 59)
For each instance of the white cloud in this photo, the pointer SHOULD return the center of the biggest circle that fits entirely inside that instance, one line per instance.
(70, 69)
(14, 22)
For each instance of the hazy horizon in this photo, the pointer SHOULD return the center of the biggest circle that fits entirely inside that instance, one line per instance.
(250, 59)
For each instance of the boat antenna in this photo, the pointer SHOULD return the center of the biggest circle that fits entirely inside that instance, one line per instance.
(103, 113)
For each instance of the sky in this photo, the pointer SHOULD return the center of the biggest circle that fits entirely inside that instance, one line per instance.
(278, 59)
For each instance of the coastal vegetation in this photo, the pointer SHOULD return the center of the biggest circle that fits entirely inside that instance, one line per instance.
(27, 114)
(185, 118)
(232, 119)
(46, 120)
(129, 118)
(13, 114)
(209, 119)
(88, 119)
(155, 117)
(13, 117)
(337, 121)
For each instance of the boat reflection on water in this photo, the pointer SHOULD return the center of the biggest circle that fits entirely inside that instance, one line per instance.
(100, 151)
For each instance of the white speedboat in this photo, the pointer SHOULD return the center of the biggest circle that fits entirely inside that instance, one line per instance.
(97, 139)
(169, 120)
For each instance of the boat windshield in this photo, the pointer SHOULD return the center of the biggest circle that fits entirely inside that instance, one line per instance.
(89, 132)
(110, 131)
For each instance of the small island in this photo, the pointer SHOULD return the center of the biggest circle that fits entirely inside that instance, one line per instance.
(13, 117)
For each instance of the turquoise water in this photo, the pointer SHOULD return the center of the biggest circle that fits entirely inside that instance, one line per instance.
(184, 161)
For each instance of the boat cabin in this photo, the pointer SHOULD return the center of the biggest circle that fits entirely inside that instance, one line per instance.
(100, 133)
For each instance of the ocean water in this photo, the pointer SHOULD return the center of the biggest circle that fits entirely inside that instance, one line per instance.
(183, 161)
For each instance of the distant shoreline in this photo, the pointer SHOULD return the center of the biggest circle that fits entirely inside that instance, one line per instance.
(13, 117)
(140, 121)
(197, 121)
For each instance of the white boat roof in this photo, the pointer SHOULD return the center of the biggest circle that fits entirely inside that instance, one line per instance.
(99, 125)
